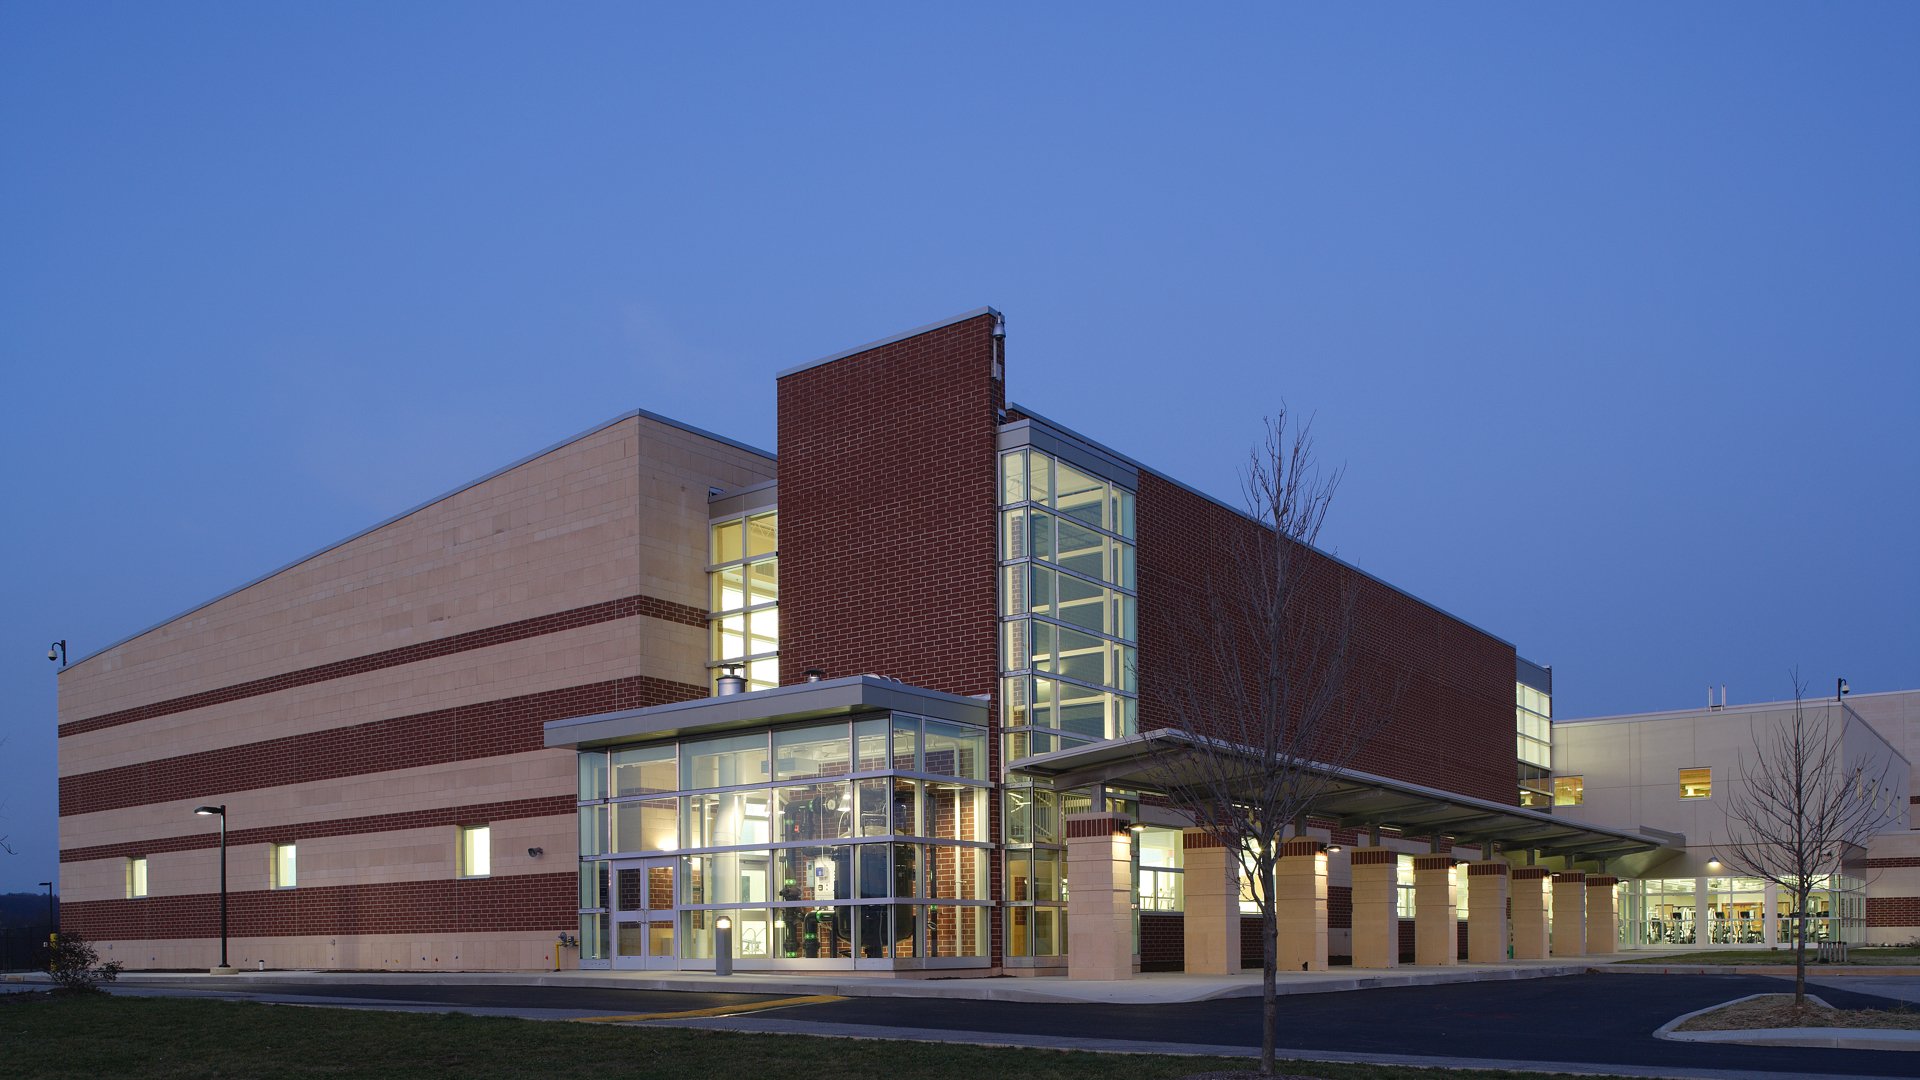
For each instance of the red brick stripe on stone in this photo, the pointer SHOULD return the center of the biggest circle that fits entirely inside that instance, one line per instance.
(1530, 873)
(1488, 869)
(475, 814)
(1373, 858)
(1893, 911)
(1433, 862)
(605, 611)
(462, 733)
(522, 902)
(1893, 863)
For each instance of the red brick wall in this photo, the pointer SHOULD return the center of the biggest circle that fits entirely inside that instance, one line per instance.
(522, 902)
(1893, 911)
(888, 517)
(1163, 941)
(462, 733)
(1450, 686)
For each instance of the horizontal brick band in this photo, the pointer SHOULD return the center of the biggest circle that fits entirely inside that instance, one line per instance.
(1488, 869)
(605, 611)
(1433, 862)
(1571, 875)
(1601, 881)
(522, 902)
(1531, 873)
(1373, 857)
(462, 733)
(1298, 847)
(1079, 825)
(474, 814)
(1893, 911)
(1199, 840)
(1893, 863)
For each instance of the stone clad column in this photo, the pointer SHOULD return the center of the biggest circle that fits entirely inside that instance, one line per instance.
(1100, 899)
(1529, 912)
(1436, 913)
(1212, 875)
(1570, 913)
(1376, 908)
(1300, 907)
(1487, 912)
(1603, 926)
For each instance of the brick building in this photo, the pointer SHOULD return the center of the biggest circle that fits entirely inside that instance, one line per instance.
(867, 707)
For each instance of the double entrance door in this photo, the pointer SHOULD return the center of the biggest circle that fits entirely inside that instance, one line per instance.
(643, 913)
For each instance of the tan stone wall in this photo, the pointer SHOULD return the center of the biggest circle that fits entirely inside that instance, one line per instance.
(601, 543)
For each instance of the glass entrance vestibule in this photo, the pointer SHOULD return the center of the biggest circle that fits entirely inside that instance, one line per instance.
(1726, 911)
(850, 843)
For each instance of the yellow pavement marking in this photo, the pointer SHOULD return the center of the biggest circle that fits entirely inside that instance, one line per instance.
(717, 1010)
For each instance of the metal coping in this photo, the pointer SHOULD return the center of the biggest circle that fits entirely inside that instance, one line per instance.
(790, 703)
(1123, 760)
(642, 414)
(888, 340)
(1062, 431)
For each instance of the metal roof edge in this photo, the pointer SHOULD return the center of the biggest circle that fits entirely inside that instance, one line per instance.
(631, 414)
(1067, 432)
(888, 340)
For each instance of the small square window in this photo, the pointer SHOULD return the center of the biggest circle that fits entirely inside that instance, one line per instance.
(475, 856)
(280, 866)
(1696, 783)
(136, 876)
(1569, 790)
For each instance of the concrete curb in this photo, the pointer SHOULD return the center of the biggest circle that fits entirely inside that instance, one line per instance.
(1826, 972)
(1147, 990)
(1837, 1038)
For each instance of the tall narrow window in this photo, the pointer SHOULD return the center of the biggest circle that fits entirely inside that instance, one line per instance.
(476, 850)
(280, 872)
(743, 621)
(137, 876)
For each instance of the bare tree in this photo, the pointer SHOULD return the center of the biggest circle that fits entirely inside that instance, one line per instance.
(1263, 702)
(1798, 804)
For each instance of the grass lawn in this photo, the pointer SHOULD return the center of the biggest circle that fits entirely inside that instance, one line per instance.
(1779, 1011)
(1882, 956)
(99, 1036)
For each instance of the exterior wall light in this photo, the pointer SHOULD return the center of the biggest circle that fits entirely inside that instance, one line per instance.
(58, 651)
(723, 946)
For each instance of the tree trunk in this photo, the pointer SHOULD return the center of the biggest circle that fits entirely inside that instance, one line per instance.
(1800, 950)
(1269, 984)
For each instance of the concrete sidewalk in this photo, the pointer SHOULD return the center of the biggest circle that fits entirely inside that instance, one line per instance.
(1144, 989)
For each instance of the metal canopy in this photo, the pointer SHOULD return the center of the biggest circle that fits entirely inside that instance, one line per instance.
(1157, 761)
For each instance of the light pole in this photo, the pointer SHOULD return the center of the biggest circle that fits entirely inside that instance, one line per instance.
(222, 811)
(48, 885)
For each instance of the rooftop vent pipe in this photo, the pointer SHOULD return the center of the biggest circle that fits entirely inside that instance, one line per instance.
(815, 674)
(731, 683)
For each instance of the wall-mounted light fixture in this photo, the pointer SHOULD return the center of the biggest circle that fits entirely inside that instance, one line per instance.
(535, 852)
(58, 651)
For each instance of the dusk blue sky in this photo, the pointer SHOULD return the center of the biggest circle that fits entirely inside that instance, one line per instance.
(1609, 311)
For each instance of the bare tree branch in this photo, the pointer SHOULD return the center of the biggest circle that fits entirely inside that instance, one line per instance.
(1265, 696)
(1798, 804)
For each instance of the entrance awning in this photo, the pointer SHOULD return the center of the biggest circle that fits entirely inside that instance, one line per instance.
(1156, 761)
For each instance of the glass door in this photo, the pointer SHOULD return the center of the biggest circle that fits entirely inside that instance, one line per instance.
(643, 914)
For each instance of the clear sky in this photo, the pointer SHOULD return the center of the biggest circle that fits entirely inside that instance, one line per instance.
(1608, 310)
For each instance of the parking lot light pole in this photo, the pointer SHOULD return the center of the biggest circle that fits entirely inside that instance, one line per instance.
(221, 810)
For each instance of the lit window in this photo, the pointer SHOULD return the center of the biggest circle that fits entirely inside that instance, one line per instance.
(137, 876)
(280, 873)
(1570, 790)
(1696, 783)
(476, 850)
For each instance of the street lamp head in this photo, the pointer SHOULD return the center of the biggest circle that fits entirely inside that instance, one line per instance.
(1844, 689)
(206, 810)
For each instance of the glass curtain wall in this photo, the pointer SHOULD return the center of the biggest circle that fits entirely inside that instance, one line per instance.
(743, 588)
(1069, 673)
(838, 844)
(1533, 733)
